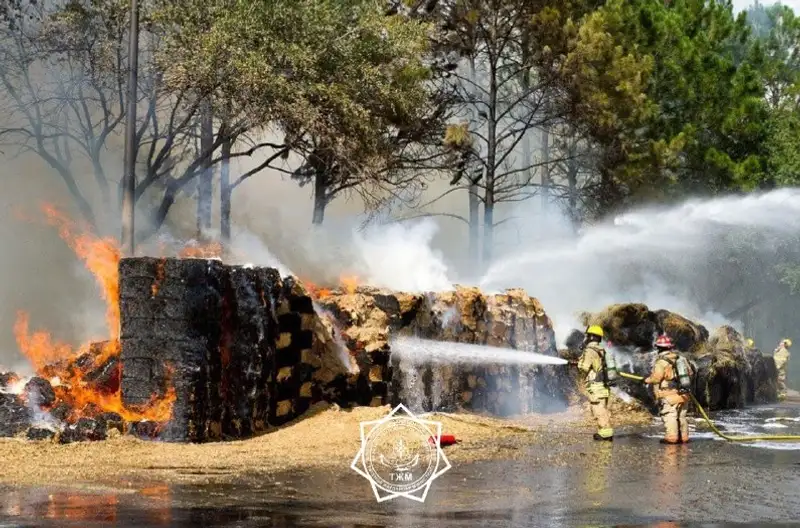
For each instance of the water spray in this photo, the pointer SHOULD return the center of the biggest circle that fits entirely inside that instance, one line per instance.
(416, 350)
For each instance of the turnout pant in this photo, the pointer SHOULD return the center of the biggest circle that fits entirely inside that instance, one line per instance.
(675, 423)
(598, 399)
(782, 382)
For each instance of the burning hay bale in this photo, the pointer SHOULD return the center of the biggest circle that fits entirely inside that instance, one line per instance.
(237, 348)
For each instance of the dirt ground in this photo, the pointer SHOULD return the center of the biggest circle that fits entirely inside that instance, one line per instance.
(327, 437)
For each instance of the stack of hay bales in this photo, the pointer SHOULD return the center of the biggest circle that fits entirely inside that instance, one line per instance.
(635, 325)
(243, 348)
(727, 376)
(512, 319)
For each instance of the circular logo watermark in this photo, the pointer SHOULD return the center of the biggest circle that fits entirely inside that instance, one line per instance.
(400, 455)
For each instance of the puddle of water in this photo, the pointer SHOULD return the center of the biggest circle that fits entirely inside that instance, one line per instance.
(574, 482)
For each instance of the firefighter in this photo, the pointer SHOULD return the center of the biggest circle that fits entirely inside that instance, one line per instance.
(671, 395)
(781, 356)
(592, 364)
(751, 345)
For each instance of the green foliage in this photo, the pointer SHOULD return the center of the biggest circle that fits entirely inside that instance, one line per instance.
(340, 71)
(708, 105)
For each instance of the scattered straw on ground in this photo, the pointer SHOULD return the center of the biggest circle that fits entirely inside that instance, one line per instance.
(328, 438)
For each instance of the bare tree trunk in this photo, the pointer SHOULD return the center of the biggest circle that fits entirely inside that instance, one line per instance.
(205, 188)
(474, 223)
(491, 157)
(320, 197)
(474, 201)
(225, 192)
(545, 168)
(572, 182)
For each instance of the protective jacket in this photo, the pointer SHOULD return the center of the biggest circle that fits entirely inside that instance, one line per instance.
(665, 377)
(781, 356)
(591, 364)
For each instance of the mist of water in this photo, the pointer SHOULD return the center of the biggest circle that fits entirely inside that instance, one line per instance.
(416, 350)
(657, 256)
(661, 256)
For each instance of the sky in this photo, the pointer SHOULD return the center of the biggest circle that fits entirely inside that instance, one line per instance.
(739, 5)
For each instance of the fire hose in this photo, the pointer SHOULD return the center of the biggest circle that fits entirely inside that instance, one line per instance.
(714, 427)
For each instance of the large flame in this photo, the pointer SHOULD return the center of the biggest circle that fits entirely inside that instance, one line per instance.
(55, 360)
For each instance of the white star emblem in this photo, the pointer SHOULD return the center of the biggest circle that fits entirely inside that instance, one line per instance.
(398, 458)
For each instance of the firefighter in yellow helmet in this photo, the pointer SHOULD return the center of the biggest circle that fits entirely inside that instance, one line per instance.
(750, 344)
(672, 395)
(592, 365)
(781, 356)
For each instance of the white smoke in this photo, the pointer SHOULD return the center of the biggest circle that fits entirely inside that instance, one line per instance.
(651, 255)
(400, 256)
(656, 256)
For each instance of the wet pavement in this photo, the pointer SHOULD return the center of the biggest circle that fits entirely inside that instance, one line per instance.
(571, 481)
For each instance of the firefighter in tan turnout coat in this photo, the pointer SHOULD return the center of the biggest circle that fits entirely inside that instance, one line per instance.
(672, 398)
(592, 364)
(781, 356)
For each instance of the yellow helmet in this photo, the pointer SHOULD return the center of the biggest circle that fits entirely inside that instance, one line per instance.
(787, 342)
(595, 330)
(750, 342)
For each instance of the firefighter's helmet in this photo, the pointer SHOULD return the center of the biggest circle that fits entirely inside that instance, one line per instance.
(664, 341)
(595, 330)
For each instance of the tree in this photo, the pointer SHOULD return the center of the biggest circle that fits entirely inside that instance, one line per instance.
(707, 101)
(64, 73)
(504, 99)
(343, 82)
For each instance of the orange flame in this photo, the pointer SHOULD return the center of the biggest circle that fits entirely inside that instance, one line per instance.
(54, 359)
(349, 283)
(197, 250)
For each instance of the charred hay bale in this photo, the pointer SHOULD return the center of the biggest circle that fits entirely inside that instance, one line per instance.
(247, 353)
(637, 326)
(162, 345)
(426, 386)
(144, 429)
(112, 420)
(40, 433)
(15, 416)
(333, 367)
(573, 343)
(84, 430)
(61, 411)
(685, 334)
(625, 324)
(39, 392)
(497, 389)
(762, 384)
(722, 371)
(312, 358)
